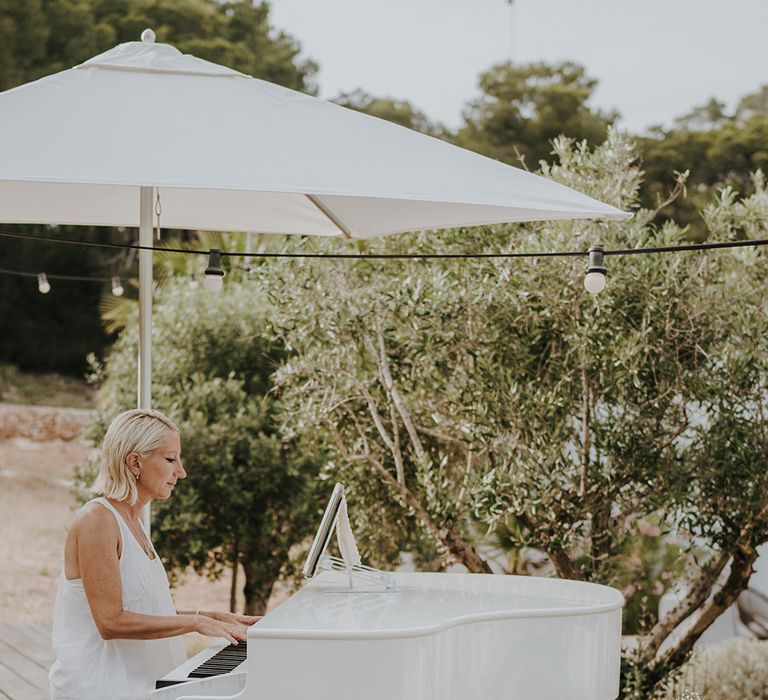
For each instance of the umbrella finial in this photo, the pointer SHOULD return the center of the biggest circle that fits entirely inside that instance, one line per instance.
(148, 36)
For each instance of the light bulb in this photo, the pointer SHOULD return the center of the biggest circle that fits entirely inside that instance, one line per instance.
(117, 288)
(594, 280)
(214, 274)
(43, 286)
(213, 283)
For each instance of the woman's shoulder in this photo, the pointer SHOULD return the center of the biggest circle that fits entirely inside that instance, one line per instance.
(95, 515)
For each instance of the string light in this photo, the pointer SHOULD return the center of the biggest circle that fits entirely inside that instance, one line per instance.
(755, 243)
(43, 285)
(214, 274)
(594, 280)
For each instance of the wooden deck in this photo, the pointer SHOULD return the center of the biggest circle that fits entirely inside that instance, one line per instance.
(25, 656)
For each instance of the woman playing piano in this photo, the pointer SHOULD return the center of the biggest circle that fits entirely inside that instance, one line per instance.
(115, 629)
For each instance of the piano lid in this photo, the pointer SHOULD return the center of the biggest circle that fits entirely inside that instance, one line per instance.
(424, 603)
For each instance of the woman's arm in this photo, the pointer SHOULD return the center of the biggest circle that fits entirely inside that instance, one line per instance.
(98, 537)
(246, 620)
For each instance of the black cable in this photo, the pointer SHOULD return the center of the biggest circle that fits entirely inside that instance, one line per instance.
(375, 256)
(92, 244)
(404, 256)
(689, 246)
(50, 276)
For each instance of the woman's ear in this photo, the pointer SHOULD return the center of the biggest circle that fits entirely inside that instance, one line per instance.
(132, 460)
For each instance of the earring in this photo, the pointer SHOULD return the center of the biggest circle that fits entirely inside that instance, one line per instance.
(137, 477)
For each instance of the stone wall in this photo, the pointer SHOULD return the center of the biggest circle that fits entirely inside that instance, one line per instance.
(43, 423)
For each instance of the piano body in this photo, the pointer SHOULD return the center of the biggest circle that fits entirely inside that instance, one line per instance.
(433, 637)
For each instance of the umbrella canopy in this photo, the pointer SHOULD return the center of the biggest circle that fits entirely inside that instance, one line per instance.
(93, 145)
(230, 152)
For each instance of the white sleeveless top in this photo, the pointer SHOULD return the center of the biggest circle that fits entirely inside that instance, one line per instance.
(88, 667)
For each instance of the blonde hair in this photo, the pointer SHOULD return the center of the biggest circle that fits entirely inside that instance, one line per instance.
(139, 430)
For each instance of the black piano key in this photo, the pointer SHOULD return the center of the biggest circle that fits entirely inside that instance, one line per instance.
(206, 674)
(234, 652)
(224, 658)
(221, 664)
(211, 671)
(223, 661)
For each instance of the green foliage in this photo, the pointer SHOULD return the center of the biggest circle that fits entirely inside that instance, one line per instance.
(458, 397)
(523, 108)
(247, 496)
(23, 34)
(718, 149)
(751, 105)
(51, 332)
(703, 118)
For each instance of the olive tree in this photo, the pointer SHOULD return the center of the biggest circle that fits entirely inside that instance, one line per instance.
(463, 399)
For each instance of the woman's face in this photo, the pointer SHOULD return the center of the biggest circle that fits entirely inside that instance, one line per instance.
(161, 469)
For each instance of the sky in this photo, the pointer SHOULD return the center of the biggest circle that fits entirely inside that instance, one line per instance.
(654, 60)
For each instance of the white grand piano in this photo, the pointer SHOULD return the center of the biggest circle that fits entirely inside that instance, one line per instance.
(417, 636)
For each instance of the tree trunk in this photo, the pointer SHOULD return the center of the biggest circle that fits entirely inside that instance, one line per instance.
(584, 432)
(261, 572)
(233, 587)
(563, 563)
(463, 552)
(738, 580)
(700, 590)
(600, 536)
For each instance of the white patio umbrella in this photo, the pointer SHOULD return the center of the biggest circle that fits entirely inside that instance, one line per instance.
(95, 144)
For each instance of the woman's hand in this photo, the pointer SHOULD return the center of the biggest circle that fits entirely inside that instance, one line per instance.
(235, 619)
(233, 631)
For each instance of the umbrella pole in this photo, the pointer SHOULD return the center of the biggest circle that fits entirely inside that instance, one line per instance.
(145, 313)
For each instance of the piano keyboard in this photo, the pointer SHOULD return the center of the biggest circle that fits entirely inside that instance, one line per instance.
(220, 664)
(224, 661)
